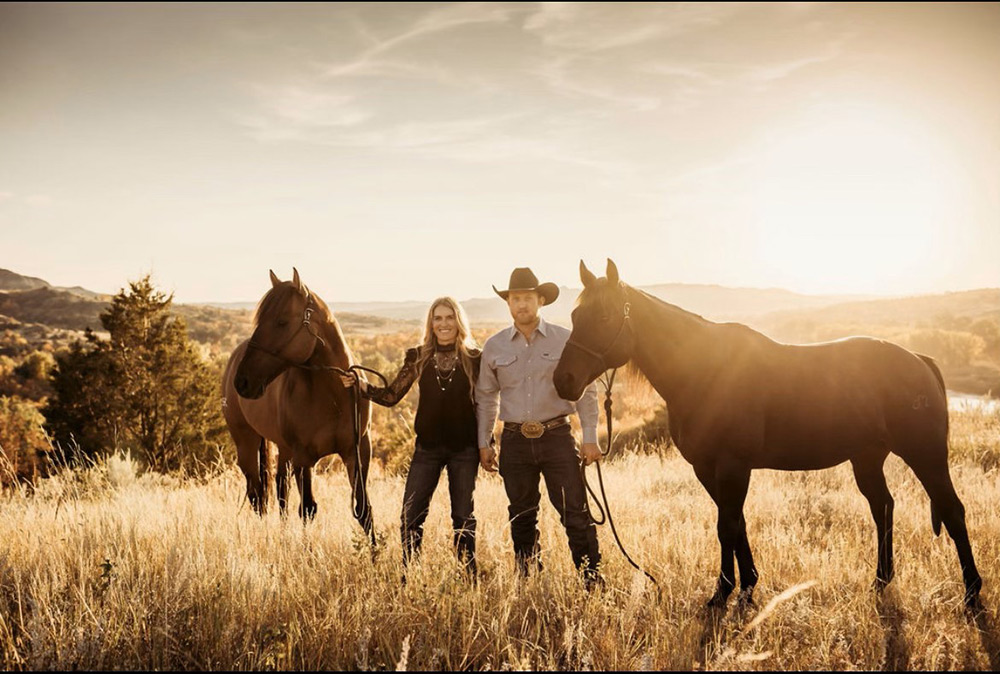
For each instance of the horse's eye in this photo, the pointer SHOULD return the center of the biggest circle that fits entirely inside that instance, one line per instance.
(282, 323)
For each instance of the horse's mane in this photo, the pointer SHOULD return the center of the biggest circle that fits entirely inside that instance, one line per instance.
(278, 295)
(323, 317)
(271, 300)
(673, 308)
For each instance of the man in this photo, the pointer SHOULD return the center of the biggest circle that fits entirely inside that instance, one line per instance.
(517, 366)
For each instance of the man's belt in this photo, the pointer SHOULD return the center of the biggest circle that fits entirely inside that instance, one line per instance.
(535, 429)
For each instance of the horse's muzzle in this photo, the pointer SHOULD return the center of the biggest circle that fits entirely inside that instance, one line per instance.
(567, 386)
(246, 390)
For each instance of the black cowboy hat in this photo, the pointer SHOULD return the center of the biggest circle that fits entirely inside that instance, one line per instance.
(523, 278)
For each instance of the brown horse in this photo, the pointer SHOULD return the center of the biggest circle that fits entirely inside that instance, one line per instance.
(739, 401)
(280, 386)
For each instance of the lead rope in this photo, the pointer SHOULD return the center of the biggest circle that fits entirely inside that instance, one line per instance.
(359, 505)
(609, 381)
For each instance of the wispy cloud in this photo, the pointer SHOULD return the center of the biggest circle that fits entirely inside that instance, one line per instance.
(768, 73)
(435, 21)
(569, 71)
(578, 35)
(298, 112)
(422, 134)
(562, 74)
(506, 146)
(336, 104)
(586, 27)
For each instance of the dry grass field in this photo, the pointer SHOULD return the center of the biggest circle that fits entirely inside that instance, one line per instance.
(107, 569)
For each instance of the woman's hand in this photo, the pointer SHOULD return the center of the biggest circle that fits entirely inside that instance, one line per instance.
(348, 379)
(488, 459)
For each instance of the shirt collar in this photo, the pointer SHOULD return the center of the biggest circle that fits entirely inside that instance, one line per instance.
(542, 327)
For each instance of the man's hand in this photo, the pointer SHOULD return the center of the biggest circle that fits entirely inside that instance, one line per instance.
(589, 453)
(488, 459)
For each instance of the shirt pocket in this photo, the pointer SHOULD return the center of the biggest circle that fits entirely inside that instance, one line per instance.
(506, 374)
(549, 361)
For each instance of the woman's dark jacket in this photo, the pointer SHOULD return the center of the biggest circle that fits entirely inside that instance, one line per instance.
(444, 417)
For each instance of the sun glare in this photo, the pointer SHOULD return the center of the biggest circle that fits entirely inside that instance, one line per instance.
(853, 200)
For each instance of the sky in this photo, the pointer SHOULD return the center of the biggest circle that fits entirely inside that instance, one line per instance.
(407, 151)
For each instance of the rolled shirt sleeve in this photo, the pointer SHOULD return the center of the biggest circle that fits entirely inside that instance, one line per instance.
(587, 408)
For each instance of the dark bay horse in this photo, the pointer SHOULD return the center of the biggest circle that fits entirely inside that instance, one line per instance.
(739, 401)
(279, 387)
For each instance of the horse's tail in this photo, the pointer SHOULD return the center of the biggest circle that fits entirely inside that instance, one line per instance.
(935, 514)
(935, 369)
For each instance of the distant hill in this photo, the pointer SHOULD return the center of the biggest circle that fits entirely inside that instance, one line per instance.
(13, 281)
(900, 310)
(55, 308)
(945, 325)
(714, 302)
(39, 311)
(886, 318)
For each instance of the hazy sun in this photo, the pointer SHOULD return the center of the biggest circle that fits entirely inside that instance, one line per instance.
(855, 199)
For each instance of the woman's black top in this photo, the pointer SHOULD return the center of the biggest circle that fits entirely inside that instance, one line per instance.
(446, 414)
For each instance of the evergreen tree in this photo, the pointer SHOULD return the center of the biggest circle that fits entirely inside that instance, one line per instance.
(145, 388)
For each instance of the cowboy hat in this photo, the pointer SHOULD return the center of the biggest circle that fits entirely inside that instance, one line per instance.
(523, 278)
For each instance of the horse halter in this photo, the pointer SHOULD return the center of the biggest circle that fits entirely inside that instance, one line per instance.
(601, 355)
(306, 323)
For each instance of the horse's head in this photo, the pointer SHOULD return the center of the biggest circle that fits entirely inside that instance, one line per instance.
(283, 335)
(602, 336)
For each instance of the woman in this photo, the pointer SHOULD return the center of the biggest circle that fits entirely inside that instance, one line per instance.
(446, 366)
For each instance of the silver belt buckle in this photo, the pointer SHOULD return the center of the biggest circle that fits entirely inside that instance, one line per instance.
(532, 429)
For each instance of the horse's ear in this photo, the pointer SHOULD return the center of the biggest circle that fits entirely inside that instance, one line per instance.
(612, 273)
(586, 275)
(274, 279)
(296, 281)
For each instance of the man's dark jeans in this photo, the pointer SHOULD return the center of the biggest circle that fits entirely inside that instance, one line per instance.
(422, 480)
(522, 461)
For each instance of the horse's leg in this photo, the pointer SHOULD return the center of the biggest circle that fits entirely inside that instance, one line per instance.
(731, 483)
(871, 481)
(307, 504)
(744, 557)
(947, 507)
(250, 448)
(264, 461)
(281, 481)
(748, 570)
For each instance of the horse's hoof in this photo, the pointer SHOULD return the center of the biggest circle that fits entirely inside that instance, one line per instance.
(973, 603)
(745, 599)
(880, 584)
(717, 601)
(974, 606)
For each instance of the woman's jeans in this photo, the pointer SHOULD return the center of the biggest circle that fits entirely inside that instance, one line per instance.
(422, 480)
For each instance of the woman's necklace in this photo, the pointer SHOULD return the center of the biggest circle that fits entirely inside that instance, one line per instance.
(444, 368)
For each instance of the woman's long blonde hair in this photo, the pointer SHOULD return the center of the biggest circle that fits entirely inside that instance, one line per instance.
(465, 344)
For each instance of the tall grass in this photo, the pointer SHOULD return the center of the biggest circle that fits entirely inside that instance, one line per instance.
(106, 568)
